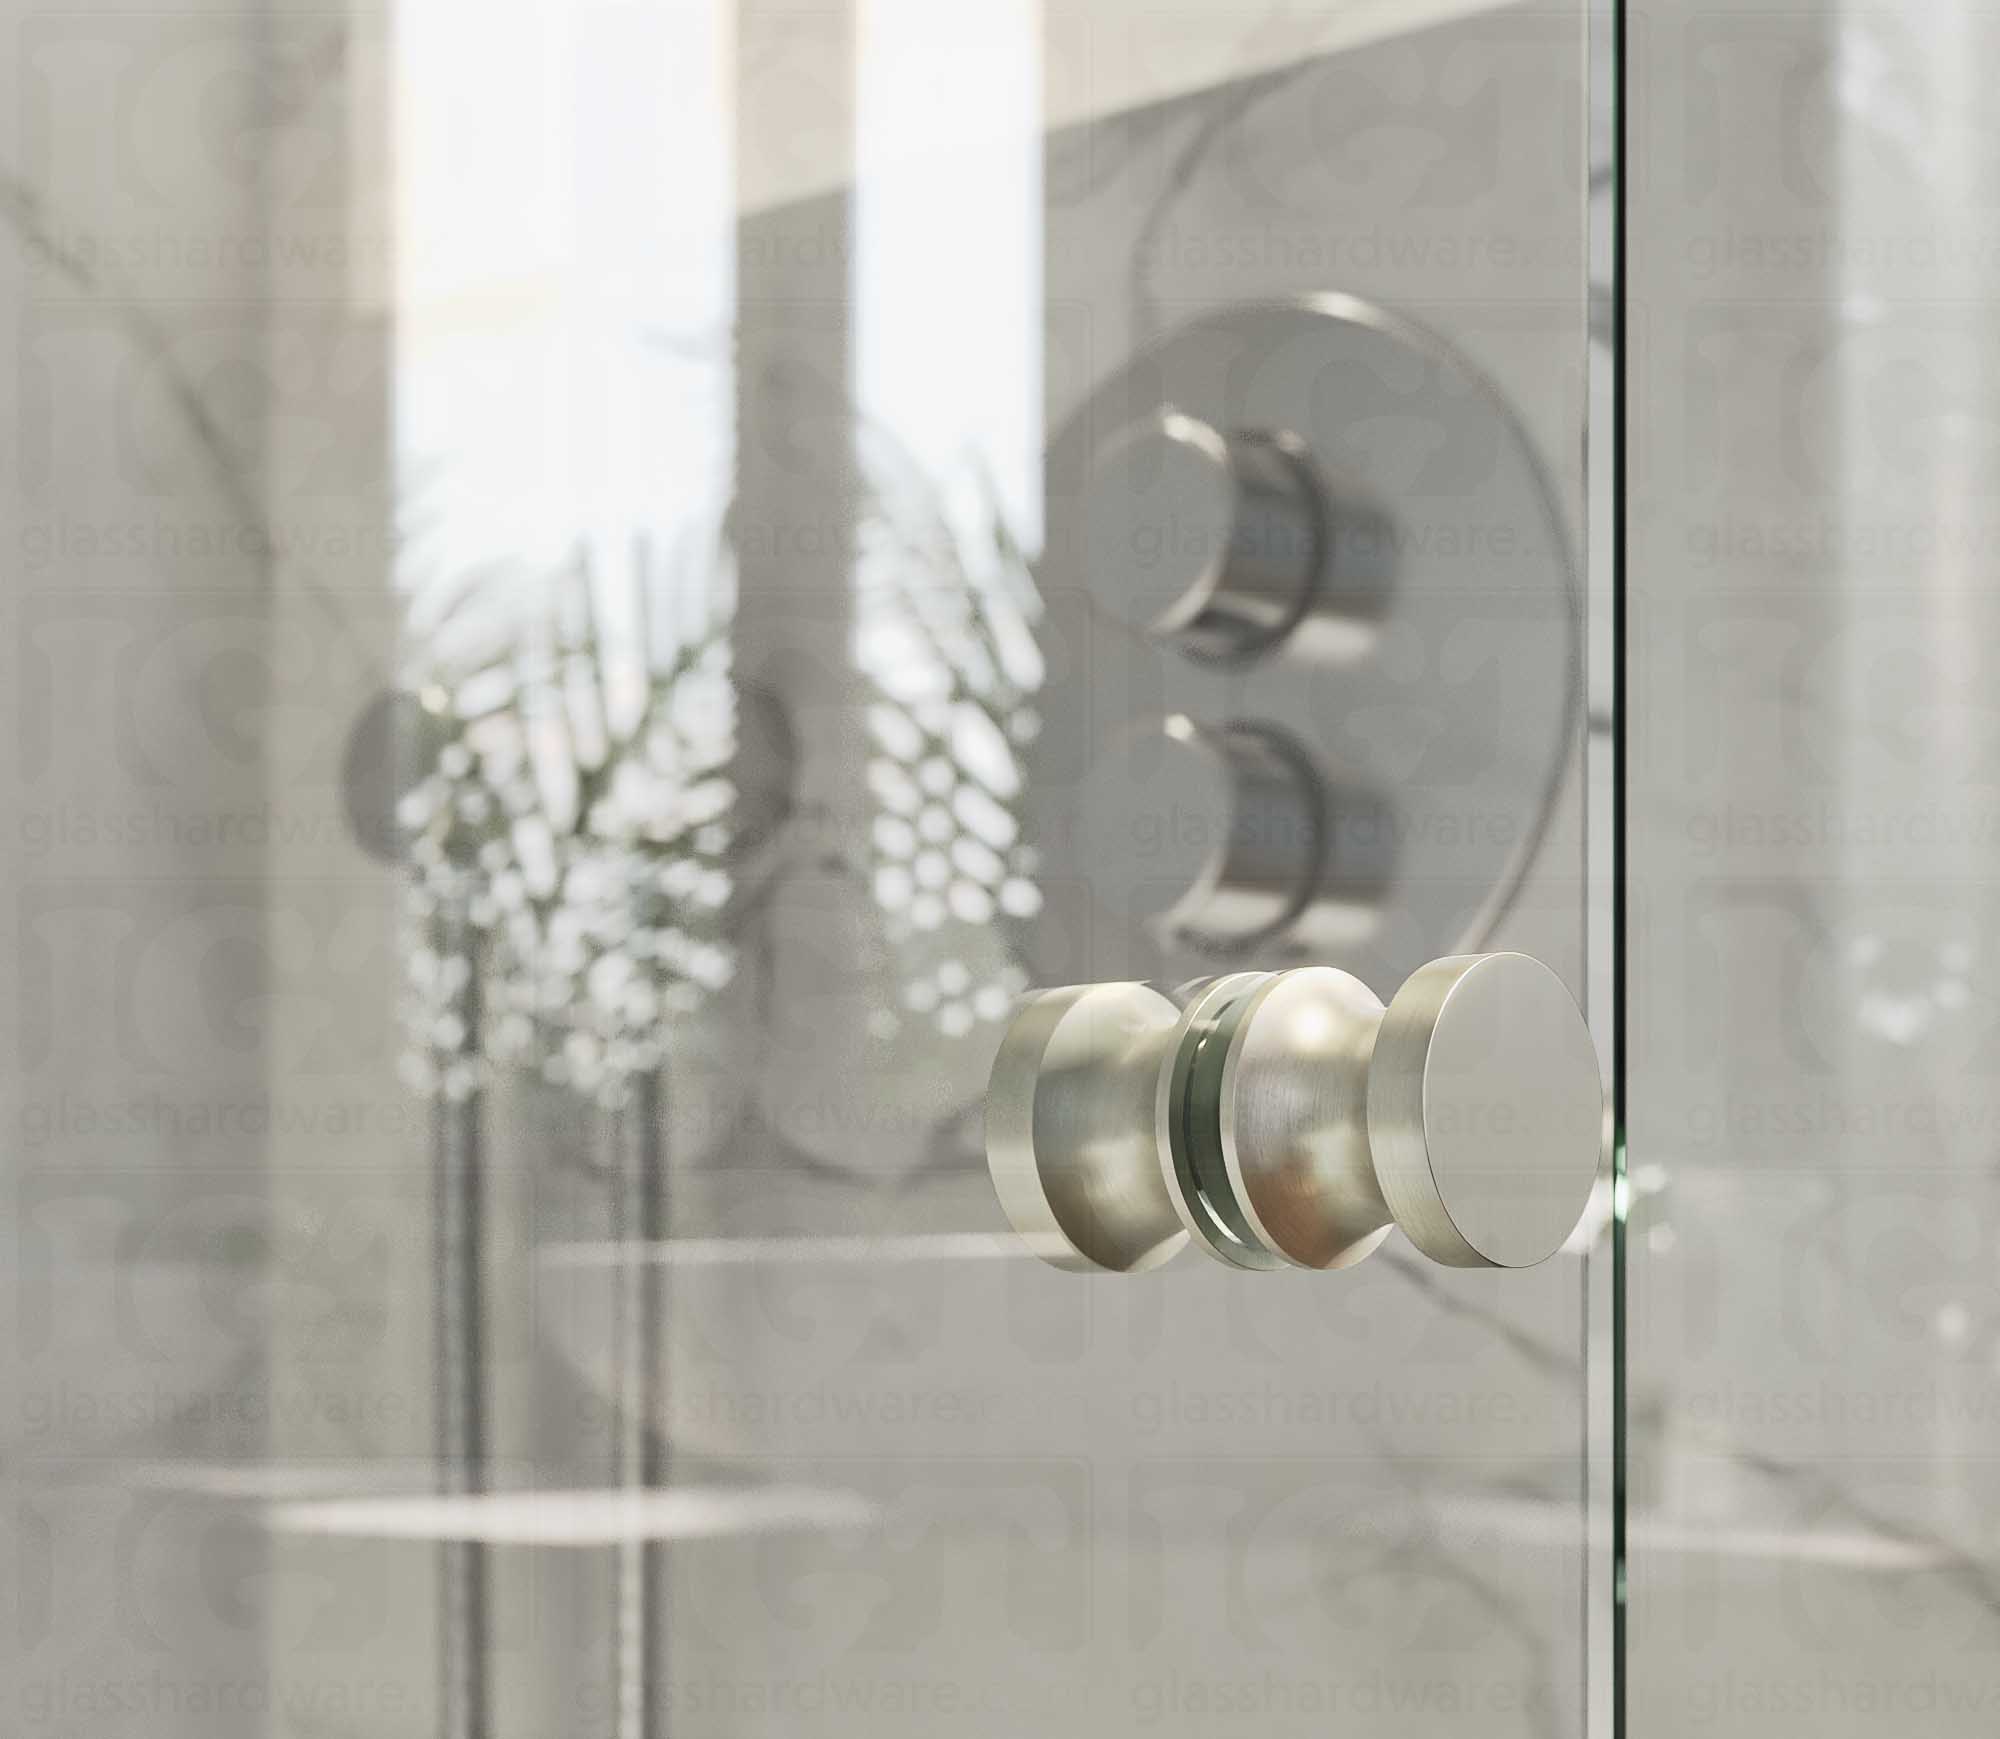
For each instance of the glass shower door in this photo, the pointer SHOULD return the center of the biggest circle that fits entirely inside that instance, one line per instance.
(752, 544)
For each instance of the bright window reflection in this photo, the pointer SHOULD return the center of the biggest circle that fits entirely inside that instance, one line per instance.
(565, 278)
(947, 316)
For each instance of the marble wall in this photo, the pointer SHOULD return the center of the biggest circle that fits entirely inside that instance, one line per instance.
(253, 376)
(1812, 1370)
(135, 849)
(217, 1216)
(218, 1213)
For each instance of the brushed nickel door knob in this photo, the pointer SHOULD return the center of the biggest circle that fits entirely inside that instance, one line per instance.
(1069, 1127)
(1289, 1119)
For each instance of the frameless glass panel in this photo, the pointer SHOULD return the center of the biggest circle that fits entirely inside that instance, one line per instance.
(1812, 1367)
(611, 588)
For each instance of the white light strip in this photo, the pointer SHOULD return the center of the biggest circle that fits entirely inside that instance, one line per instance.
(578, 1518)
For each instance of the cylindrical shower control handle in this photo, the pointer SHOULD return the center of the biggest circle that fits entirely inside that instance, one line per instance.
(1212, 541)
(1288, 1119)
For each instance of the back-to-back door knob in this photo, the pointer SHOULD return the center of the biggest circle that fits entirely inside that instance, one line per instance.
(1288, 1119)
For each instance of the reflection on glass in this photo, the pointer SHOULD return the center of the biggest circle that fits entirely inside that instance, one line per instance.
(945, 640)
(574, 813)
(946, 294)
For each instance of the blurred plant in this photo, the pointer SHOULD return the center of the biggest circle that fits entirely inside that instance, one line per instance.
(572, 829)
(946, 614)
(568, 832)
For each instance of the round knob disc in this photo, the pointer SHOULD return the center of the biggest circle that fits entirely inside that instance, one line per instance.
(1485, 1110)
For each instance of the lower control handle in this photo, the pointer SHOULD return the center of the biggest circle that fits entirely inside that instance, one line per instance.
(1288, 1119)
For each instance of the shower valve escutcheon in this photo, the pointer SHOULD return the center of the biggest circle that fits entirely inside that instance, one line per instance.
(1288, 1119)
